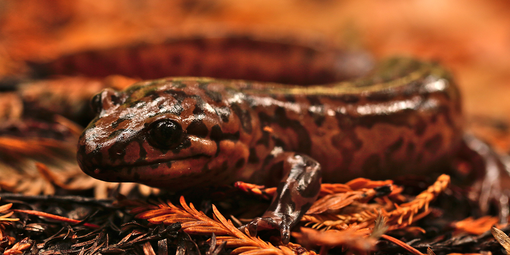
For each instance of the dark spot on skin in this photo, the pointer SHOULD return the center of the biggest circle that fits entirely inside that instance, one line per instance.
(410, 148)
(444, 111)
(199, 105)
(264, 139)
(434, 143)
(142, 155)
(116, 99)
(152, 94)
(197, 128)
(314, 100)
(178, 84)
(116, 133)
(231, 136)
(116, 123)
(267, 160)
(280, 118)
(348, 99)
(372, 165)
(244, 117)
(381, 96)
(412, 88)
(394, 147)
(253, 158)
(140, 104)
(419, 158)
(276, 169)
(318, 117)
(346, 141)
(318, 114)
(420, 126)
(224, 113)
(216, 133)
(177, 94)
(433, 118)
(169, 164)
(273, 171)
(215, 96)
(304, 143)
(279, 143)
(290, 98)
(198, 112)
(240, 163)
(136, 176)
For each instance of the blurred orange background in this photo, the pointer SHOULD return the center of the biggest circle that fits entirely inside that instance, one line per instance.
(470, 38)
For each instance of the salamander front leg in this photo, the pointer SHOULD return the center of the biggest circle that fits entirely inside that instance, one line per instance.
(493, 176)
(296, 192)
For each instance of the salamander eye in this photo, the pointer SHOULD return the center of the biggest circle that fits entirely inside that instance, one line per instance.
(165, 134)
(97, 103)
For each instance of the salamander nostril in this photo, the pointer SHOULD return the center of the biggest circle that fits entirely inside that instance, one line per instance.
(96, 103)
(117, 151)
(105, 99)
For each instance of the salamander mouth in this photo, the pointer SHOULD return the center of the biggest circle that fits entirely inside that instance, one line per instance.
(149, 170)
(162, 161)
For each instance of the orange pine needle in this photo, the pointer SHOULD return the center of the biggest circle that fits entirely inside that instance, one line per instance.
(55, 217)
(196, 222)
(19, 247)
(401, 216)
(402, 244)
(475, 226)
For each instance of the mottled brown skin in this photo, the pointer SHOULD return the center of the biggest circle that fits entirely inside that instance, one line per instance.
(246, 57)
(177, 133)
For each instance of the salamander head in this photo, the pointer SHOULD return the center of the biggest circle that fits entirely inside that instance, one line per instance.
(172, 133)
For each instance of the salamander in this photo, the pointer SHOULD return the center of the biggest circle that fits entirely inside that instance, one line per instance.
(181, 132)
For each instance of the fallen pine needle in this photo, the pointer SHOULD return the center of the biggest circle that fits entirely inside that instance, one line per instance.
(19, 247)
(196, 222)
(55, 217)
(475, 226)
(400, 217)
(402, 244)
(353, 238)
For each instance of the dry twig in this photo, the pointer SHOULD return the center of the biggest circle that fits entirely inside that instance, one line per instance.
(502, 238)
